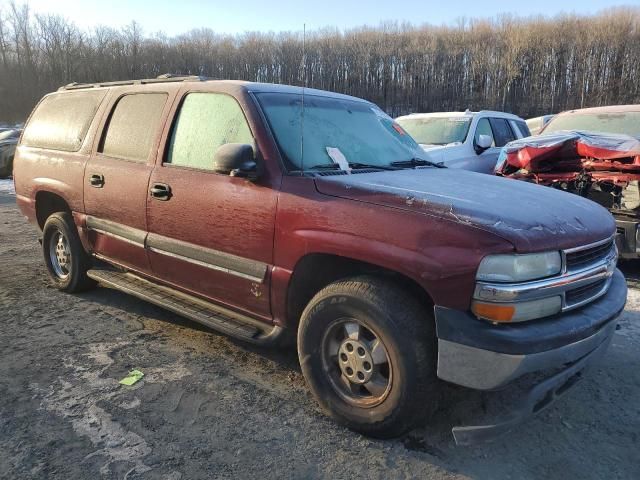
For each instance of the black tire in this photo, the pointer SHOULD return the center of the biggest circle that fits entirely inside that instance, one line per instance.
(405, 328)
(73, 277)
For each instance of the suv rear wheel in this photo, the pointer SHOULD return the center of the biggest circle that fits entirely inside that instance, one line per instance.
(367, 350)
(66, 260)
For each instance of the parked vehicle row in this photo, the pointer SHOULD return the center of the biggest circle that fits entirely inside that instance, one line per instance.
(469, 140)
(606, 171)
(592, 152)
(272, 213)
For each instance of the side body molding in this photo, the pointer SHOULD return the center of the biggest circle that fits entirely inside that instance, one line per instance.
(209, 258)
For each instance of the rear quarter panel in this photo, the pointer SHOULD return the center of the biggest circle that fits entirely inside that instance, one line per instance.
(45, 170)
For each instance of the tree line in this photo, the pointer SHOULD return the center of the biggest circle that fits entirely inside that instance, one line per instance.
(528, 66)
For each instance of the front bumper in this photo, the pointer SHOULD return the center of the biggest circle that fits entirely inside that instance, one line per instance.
(479, 355)
(483, 356)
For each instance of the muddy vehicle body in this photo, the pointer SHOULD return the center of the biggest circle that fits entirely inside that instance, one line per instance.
(280, 216)
(593, 152)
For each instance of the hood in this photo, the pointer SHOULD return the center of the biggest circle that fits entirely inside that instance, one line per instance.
(441, 153)
(427, 147)
(532, 217)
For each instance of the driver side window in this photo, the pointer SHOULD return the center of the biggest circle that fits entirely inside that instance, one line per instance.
(484, 128)
(205, 122)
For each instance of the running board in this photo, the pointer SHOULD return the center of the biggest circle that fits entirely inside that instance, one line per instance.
(210, 315)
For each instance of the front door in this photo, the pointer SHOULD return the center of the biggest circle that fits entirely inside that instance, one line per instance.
(211, 234)
(485, 162)
(117, 177)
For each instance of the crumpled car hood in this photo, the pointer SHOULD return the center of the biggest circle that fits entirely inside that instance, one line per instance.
(570, 151)
(532, 217)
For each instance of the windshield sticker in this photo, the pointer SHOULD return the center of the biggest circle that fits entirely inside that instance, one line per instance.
(459, 119)
(338, 158)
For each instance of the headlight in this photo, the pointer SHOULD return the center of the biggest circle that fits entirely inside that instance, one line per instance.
(519, 268)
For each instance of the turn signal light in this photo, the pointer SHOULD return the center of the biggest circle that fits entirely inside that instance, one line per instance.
(493, 311)
(517, 311)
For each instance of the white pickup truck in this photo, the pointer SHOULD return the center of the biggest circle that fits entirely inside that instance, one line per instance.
(469, 140)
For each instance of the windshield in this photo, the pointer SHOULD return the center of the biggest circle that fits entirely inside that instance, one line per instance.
(625, 123)
(437, 130)
(335, 130)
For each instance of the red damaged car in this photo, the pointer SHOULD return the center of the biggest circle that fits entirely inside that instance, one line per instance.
(593, 152)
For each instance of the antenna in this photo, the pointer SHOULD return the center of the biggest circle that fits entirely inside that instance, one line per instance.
(304, 84)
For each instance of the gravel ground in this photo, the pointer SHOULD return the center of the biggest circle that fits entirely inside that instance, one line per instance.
(210, 407)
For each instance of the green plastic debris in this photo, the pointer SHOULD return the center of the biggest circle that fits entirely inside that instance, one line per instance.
(133, 377)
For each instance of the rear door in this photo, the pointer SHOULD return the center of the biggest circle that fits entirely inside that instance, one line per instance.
(212, 234)
(117, 177)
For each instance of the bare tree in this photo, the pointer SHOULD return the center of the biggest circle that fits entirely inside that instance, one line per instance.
(528, 66)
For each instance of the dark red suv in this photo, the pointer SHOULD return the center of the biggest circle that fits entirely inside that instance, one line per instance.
(271, 214)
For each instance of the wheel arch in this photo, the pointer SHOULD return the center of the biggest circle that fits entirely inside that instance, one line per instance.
(314, 271)
(47, 203)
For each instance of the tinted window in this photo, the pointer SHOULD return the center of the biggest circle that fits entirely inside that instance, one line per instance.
(484, 128)
(519, 128)
(524, 128)
(61, 120)
(133, 126)
(502, 133)
(205, 122)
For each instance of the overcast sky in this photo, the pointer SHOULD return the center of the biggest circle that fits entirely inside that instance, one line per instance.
(174, 17)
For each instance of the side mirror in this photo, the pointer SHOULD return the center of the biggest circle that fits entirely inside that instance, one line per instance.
(482, 143)
(236, 160)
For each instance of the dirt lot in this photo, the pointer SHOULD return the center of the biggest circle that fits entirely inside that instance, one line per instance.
(210, 407)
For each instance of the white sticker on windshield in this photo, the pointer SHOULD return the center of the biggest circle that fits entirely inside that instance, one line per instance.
(338, 157)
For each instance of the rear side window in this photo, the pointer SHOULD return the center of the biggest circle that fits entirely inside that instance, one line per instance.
(520, 127)
(133, 126)
(205, 122)
(502, 133)
(524, 128)
(61, 120)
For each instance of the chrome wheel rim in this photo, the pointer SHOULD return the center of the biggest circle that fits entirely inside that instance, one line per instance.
(357, 363)
(60, 255)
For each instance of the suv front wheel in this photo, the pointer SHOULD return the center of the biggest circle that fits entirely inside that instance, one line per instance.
(66, 260)
(367, 351)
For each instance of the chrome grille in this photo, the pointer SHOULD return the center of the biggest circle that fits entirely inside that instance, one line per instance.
(577, 259)
(584, 293)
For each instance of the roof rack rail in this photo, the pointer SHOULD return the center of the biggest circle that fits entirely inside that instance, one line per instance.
(165, 78)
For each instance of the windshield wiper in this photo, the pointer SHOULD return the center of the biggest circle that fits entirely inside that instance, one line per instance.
(354, 165)
(418, 162)
(367, 165)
